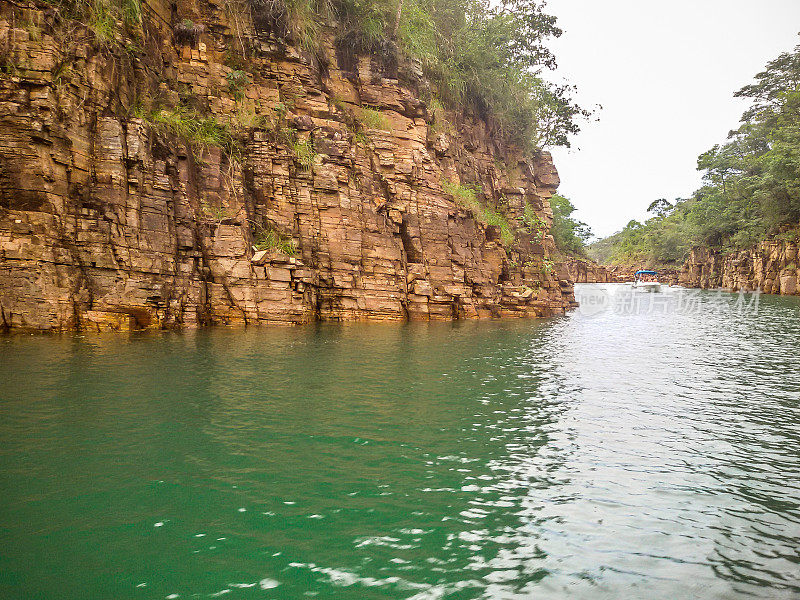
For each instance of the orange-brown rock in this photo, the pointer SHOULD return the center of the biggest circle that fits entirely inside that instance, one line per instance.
(110, 222)
(771, 266)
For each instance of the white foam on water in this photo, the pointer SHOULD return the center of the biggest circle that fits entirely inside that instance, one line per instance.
(342, 578)
(268, 584)
(221, 593)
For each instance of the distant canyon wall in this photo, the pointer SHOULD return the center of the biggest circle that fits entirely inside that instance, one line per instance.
(771, 266)
(586, 271)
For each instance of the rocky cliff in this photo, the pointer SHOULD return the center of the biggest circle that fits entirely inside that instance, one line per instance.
(772, 267)
(195, 169)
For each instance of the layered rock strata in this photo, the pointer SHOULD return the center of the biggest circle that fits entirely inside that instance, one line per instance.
(771, 266)
(330, 196)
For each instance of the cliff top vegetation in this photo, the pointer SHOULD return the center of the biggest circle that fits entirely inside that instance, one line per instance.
(487, 58)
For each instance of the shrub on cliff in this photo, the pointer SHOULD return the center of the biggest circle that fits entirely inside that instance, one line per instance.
(467, 197)
(188, 32)
(300, 20)
(373, 118)
(237, 80)
(269, 238)
(102, 17)
(192, 127)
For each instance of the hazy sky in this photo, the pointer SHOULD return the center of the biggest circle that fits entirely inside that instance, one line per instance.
(665, 73)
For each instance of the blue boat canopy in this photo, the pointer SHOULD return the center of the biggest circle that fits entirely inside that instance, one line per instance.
(646, 272)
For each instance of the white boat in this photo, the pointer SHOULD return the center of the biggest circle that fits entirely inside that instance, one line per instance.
(646, 281)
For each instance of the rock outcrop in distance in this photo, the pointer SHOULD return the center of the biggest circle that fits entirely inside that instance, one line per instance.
(321, 187)
(584, 270)
(771, 266)
(587, 271)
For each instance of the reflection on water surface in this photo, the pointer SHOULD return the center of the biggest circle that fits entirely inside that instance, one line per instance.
(648, 455)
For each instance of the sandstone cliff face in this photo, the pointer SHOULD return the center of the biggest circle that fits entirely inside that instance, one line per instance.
(772, 267)
(107, 221)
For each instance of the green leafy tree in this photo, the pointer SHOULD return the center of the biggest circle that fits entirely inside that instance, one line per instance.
(569, 234)
(660, 207)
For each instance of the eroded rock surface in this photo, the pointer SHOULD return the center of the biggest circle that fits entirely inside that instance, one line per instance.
(108, 221)
(772, 267)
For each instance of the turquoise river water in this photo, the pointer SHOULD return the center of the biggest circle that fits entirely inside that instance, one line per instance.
(606, 454)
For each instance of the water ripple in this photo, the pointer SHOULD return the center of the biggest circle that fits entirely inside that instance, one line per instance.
(617, 456)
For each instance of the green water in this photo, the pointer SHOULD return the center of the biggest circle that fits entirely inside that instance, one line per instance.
(620, 456)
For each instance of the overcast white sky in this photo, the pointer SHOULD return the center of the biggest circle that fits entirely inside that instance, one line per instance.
(665, 73)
